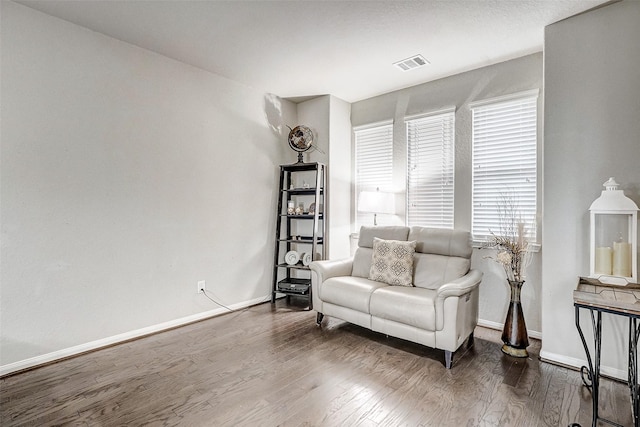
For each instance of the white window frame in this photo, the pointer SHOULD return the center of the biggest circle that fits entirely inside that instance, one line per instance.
(505, 161)
(430, 169)
(373, 166)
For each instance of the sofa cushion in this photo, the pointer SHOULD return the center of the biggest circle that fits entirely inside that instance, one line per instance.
(362, 262)
(431, 271)
(348, 291)
(408, 305)
(392, 262)
(442, 241)
(387, 232)
(442, 255)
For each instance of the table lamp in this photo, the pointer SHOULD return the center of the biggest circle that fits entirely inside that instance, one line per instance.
(376, 202)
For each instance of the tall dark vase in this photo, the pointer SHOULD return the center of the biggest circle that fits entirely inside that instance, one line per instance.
(514, 334)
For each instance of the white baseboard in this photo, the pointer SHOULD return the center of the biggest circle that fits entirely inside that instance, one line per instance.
(559, 359)
(138, 333)
(32, 362)
(572, 362)
(499, 326)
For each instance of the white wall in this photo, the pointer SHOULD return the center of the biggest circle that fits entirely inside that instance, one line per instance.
(592, 132)
(340, 178)
(126, 177)
(458, 91)
(329, 117)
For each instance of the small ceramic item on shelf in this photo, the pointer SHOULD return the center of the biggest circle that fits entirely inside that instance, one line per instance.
(292, 257)
(306, 258)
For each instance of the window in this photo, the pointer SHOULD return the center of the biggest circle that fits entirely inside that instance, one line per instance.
(504, 139)
(430, 169)
(374, 165)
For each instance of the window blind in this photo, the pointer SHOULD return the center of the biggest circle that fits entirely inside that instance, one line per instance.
(374, 166)
(430, 170)
(504, 138)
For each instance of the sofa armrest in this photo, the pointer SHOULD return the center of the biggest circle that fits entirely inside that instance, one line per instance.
(323, 270)
(460, 286)
(456, 288)
(331, 268)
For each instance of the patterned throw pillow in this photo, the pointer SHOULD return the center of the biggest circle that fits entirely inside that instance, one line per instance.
(392, 262)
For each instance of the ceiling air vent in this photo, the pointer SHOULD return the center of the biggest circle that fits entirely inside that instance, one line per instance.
(412, 63)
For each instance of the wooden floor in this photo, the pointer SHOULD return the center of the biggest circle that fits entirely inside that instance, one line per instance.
(272, 366)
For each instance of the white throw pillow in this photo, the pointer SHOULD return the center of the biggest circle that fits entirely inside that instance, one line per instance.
(392, 262)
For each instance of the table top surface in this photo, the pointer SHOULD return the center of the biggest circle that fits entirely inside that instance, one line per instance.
(613, 298)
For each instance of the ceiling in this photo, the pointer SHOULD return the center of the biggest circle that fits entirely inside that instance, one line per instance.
(301, 49)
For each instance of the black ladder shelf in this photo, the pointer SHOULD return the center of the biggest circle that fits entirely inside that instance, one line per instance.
(303, 231)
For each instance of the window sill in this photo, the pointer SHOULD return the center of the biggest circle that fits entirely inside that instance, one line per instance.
(479, 244)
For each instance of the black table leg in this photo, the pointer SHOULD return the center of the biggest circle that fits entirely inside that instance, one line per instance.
(592, 381)
(592, 371)
(634, 332)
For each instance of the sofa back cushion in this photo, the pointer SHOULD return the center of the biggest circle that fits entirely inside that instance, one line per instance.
(442, 255)
(384, 232)
(442, 241)
(364, 254)
(431, 271)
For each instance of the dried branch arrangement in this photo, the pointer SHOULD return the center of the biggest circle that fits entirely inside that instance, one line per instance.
(512, 242)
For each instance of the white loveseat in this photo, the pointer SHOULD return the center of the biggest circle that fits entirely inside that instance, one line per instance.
(439, 308)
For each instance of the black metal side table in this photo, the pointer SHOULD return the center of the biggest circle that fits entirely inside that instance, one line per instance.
(598, 298)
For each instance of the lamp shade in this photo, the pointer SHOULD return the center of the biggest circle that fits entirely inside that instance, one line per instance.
(376, 202)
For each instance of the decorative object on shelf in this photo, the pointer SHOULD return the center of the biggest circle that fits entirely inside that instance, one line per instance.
(376, 202)
(300, 139)
(292, 257)
(290, 207)
(299, 210)
(307, 257)
(312, 208)
(514, 255)
(613, 245)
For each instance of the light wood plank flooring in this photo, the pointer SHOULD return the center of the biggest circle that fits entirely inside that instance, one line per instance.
(272, 366)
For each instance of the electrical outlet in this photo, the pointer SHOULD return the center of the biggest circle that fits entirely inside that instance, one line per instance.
(201, 286)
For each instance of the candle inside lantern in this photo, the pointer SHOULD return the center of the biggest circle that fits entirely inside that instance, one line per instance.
(622, 259)
(603, 260)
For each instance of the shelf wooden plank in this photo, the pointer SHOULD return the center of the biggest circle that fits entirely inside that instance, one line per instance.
(298, 266)
(294, 191)
(303, 241)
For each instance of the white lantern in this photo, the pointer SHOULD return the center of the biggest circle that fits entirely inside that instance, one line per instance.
(614, 235)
